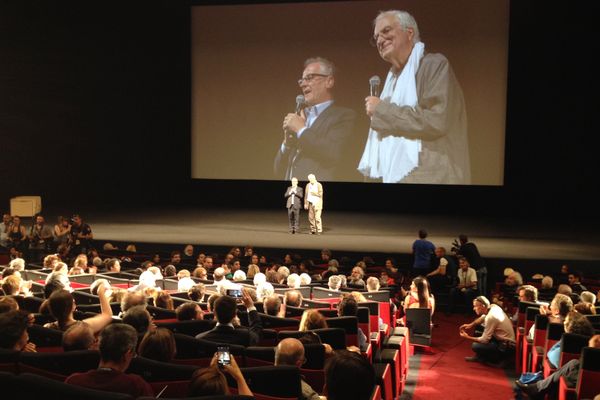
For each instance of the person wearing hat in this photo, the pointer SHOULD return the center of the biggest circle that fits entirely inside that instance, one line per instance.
(498, 335)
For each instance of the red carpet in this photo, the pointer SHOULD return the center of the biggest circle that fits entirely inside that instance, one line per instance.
(444, 374)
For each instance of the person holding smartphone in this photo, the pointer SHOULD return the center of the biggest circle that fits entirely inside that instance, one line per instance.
(211, 381)
(225, 310)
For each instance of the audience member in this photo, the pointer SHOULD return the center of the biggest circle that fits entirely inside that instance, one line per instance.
(549, 386)
(293, 298)
(212, 382)
(158, 345)
(334, 282)
(132, 299)
(189, 311)
(290, 351)
(348, 376)
(575, 282)
(117, 348)
(79, 336)
(140, 319)
(62, 307)
(466, 289)
(273, 306)
(225, 332)
(547, 291)
(13, 331)
(312, 319)
(348, 307)
(574, 323)
(587, 297)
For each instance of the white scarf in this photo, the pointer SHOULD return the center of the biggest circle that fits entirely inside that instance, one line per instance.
(394, 157)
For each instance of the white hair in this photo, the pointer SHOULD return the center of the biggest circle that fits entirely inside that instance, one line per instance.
(284, 271)
(404, 19)
(373, 284)
(18, 264)
(587, 297)
(547, 282)
(147, 279)
(293, 281)
(185, 284)
(264, 290)
(334, 282)
(239, 275)
(218, 273)
(259, 278)
(305, 279)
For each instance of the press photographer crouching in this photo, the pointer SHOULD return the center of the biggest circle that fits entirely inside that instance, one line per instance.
(495, 346)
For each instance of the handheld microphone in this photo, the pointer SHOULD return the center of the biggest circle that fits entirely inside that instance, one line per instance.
(300, 103)
(374, 83)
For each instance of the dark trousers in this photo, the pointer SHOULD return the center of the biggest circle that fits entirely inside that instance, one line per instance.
(294, 218)
(550, 384)
(492, 351)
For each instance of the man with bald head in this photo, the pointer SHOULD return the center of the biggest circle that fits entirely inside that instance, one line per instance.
(293, 298)
(290, 351)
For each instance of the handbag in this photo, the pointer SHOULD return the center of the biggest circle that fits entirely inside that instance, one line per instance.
(531, 377)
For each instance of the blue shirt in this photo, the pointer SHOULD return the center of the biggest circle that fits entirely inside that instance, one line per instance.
(423, 251)
(554, 354)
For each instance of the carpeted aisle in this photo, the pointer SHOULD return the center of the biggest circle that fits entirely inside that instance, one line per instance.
(444, 374)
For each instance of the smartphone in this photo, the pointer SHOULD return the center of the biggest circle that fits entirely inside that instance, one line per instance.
(223, 356)
(235, 293)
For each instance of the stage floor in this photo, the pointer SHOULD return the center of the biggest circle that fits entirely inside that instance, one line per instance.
(368, 232)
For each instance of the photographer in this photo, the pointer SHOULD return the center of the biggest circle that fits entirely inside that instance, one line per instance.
(469, 250)
(40, 237)
(225, 310)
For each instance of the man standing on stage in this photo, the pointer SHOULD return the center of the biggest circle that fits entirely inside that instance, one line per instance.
(313, 202)
(294, 195)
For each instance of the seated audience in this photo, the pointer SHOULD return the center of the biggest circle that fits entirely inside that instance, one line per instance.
(239, 276)
(252, 271)
(117, 348)
(574, 323)
(348, 376)
(312, 319)
(293, 281)
(305, 279)
(140, 319)
(549, 386)
(62, 306)
(225, 331)
(211, 381)
(273, 306)
(189, 311)
(466, 289)
(587, 297)
(197, 292)
(293, 298)
(334, 282)
(158, 345)
(290, 351)
(79, 336)
(13, 331)
(420, 296)
(348, 307)
(498, 336)
(546, 291)
(132, 299)
(164, 300)
(575, 282)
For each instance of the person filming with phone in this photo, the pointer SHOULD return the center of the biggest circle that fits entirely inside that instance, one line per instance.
(225, 310)
(211, 381)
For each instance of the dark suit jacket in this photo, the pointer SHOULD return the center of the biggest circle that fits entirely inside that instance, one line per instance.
(297, 198)
(323, 149)
(241, 335)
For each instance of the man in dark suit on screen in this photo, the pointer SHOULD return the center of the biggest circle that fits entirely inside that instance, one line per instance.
(319, 137)
(226, 331)
(294, 195)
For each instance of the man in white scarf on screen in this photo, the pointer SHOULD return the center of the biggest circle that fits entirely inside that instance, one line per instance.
(418, 128)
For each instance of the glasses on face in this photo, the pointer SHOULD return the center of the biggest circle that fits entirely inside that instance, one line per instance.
(309, 77)
(385, 33)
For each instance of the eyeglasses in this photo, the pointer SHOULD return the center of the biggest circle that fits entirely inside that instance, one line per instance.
(385, 33)
(308, 78)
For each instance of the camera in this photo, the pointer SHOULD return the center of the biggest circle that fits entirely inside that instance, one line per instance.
(223, 356)
(235, 293)
(455, 246)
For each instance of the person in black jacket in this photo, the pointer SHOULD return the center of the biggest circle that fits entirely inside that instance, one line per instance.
(469, 250)
(225, 331)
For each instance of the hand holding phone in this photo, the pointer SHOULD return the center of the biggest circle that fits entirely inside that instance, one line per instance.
(223, 356)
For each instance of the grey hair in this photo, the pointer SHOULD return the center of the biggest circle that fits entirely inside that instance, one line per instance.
(587, 297)
(327, 67)
(404, 19)
(547, 282)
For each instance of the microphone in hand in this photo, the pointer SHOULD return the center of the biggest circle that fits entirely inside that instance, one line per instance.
(374, 83)
(300, 103)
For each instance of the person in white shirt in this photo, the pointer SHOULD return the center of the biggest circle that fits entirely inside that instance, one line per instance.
(466, 289)
(313, 202)
(498, 337)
